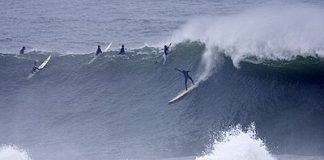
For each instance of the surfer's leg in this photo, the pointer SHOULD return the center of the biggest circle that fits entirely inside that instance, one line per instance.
(186, 83)
(164, 58)
(191, 80)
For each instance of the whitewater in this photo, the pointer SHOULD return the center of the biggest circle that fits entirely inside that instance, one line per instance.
(258, 67)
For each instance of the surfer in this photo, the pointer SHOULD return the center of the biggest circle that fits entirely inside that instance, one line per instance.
(122, 50)
(166, 52)
(22, 51)
(98, 51)
(35, 68)
(186, 74)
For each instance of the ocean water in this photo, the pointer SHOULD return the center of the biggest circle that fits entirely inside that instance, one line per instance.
(258, 66)
(79, 26)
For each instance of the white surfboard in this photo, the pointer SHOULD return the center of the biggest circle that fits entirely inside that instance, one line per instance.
(96, 56)
(44, 63)
(108, 47)
(182, 94)
(39, 67)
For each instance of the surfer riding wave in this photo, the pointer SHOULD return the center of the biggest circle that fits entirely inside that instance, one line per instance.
(186, 75)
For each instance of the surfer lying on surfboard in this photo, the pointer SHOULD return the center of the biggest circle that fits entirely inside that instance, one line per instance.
(186, 74)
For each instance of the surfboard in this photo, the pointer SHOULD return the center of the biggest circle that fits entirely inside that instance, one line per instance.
(96, 56)
(182, 94)
(39, 67)
(108, 47)
(44, 63)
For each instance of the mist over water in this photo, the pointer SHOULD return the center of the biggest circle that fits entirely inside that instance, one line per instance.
(268, 32)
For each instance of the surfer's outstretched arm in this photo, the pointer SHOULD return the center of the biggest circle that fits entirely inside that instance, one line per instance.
(178, 70)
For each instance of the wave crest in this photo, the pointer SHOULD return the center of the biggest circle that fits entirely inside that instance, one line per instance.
(12, 152)
(237, 144)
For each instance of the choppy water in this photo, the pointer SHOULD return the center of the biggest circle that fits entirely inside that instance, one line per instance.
(78, 26)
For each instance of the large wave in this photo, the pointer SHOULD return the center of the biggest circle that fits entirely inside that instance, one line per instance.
(122, 99)
(269, 64)
(271, 32)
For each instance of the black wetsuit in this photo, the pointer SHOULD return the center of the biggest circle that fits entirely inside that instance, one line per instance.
(166, 50)
(186, 74)
(122, 50)
(22, 51)
(35, 68)
(98, 51)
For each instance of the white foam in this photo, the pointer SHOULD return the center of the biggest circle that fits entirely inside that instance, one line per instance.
(273, 32)
(12, 152)
(238, 145)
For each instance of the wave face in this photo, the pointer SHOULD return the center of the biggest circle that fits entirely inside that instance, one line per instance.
(116, 107)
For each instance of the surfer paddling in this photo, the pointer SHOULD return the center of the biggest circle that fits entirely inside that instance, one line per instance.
(186, 75)
(98, 51)
(166, 52)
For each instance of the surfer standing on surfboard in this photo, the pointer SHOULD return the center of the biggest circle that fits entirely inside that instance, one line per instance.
(166, 52)
(186, 74)
(98, 51)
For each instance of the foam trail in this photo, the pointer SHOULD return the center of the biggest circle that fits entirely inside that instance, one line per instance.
(237, 144)
(12, 152)
(272, 32)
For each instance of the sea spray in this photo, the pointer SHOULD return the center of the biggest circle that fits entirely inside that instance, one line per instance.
(12, 152)
(237, 144)
(210, 61)
(271, 32)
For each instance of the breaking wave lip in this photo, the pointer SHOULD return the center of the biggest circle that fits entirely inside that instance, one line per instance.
(269, 32)
(13, 152)
(272, 31)
(238, 144)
